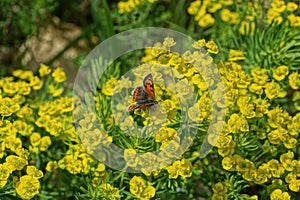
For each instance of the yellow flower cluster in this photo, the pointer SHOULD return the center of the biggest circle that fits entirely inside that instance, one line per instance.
(249, 97)
(206, 13)
(181, 168)
(28, 185)
(109, 192)
(252, 116)
(30, 123)
(130, 5)
(279, 8)
(242, 14)
(203, 12)
(18, 121)
(141, 189)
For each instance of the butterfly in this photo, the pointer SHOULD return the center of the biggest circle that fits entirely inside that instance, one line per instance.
(144, 96)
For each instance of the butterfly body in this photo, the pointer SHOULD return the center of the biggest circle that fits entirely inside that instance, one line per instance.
(144, 96)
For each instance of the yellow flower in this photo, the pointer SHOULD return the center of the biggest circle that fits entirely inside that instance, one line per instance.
(295, 125)
(136, 185)
(194, 7)
(100, 170)
(45, 142)
(11, 87)
(13, 143)
(7, 107)
(278, 5)
(225, 15)
(66, 104)
(194, 113)
(180, 167)
(275, 136)
(294, 20)
(230, 17)
(71, 164)
(185, 168)
(130, 157)
(28, 187)
(49, 108)
(291, 6)
(173, 169)
(33, 171)
(59, 75)
(108, 89)
(122, 7)
(227, 163)
(23, 74)
(260, 175)
(169, 42)
(51, 166)
(294, 185)
(238, 123)
(16, 162)
(294, 80)
(141, 188)
(24, 88)
(54, 127)
(147, 161)
(183, 89)
(109, 192)
(255, 88)
(219, 188)
(21, 127)
(165, 134)
(44, 70)
(55, 90)
(277, 194)
(25, 112)
(278, 118)
(23, 153)
(197, 45)
(290, 177)
(272, 14)
(36, 83)
(4, 171)
(260, 76)
(42, 121)
(235, 55)
(276, 168)
(35, 139)
(148, 192)
(214, 7)
(171, 148)
(206, 21)
(280, 72)
(212, 47)
(272, 90)
(169, 106)
(289, 142)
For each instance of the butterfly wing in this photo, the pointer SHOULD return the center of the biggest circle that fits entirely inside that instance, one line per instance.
(144, 96)
(142, 105)
(132, 107)
(149, 86)
(140, 94)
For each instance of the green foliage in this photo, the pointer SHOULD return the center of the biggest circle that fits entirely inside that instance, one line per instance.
(19, 19)
(256, 47)
(273, 46)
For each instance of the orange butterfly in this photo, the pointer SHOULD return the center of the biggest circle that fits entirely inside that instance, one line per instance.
(144, 96)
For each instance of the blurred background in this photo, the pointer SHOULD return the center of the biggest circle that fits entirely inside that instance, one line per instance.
(62, 33)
